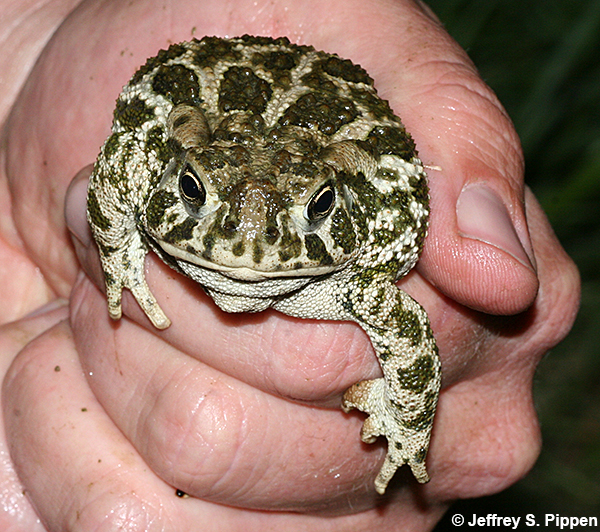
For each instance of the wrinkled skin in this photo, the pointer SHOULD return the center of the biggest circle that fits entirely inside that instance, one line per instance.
(104, 420)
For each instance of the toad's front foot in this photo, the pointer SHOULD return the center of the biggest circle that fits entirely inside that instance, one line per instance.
(135, 280)
(406, 443)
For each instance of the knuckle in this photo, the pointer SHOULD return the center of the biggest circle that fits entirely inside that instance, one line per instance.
(193, 448)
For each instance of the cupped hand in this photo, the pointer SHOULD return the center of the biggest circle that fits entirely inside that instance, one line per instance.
(241, 412)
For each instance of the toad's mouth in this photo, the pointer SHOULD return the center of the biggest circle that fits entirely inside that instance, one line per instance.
(244, 269)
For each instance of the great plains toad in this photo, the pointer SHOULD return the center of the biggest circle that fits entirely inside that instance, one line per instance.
(274, 176)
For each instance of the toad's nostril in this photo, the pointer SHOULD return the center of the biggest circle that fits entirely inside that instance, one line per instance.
(271, 235)
(230, 226)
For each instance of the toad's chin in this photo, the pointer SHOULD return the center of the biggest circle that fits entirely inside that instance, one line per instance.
(243, 272)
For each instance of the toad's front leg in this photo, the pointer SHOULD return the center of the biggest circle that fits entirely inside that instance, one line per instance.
(401, 405)
(111, 211)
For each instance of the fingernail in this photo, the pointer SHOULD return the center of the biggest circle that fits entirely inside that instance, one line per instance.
(75, 211)
(482, 215)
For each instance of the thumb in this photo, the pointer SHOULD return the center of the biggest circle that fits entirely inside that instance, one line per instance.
(478, 251)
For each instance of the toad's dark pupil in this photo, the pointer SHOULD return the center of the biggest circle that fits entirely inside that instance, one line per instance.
(192, 188)
(321, 204)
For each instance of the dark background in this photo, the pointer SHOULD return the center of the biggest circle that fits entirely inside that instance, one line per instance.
(542, 57)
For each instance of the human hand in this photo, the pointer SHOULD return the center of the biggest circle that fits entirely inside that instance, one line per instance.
(215, 411)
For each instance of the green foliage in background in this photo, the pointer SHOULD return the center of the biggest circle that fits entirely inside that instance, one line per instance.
(542, 57)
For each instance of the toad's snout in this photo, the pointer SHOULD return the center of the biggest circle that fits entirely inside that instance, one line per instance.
(254, 205)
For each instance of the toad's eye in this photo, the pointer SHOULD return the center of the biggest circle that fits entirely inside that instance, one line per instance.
(321, 204)
(191, 187)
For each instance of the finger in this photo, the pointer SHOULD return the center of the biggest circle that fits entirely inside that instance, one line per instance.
(560, 283)
(78, 469)
(18, 513)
